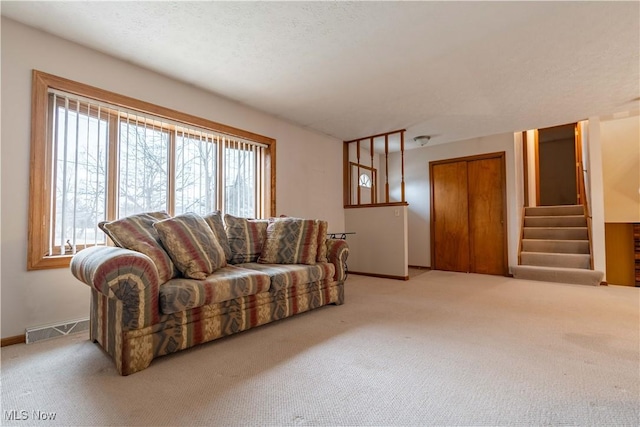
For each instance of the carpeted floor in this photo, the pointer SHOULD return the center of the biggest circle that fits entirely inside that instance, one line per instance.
(440, 349)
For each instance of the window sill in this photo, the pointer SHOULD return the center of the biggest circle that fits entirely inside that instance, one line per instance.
(49, 262)
(376, 205)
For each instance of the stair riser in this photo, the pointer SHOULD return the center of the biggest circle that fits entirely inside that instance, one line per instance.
(578, 277)
(554, 210)
(560, 221)
(556, 260)
(575, 233)
(564, 247)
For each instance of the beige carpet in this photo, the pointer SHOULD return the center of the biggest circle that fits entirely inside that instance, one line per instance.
(440, 349)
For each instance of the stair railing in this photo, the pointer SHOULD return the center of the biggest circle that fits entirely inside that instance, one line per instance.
(524, 209)
(582, 195)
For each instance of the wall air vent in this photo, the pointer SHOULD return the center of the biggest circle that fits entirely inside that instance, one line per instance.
(40, 333)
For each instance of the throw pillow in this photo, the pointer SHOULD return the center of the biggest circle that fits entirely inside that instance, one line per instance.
(246, 237)
(215, 221)
(192, 245)
(136, 233)
(323, 228)
(291, 241)
(157, 215)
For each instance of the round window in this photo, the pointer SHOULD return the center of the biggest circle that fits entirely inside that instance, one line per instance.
(365, 180)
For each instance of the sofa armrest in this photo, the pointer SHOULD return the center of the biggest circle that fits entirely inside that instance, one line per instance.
(337, 254)
(124, 275)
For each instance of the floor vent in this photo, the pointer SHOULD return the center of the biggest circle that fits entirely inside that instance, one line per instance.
(53, 331)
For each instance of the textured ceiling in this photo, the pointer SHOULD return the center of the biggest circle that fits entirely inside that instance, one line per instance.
(454, 70)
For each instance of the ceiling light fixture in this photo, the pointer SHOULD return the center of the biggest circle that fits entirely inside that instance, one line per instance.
(422, 139)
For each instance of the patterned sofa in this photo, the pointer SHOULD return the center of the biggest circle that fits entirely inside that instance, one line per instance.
(253, 272)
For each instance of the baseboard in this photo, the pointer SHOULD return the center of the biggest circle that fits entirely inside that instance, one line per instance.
(40, 333)
(382, 276)
(18, 339)
(420, 267)
(604, 283)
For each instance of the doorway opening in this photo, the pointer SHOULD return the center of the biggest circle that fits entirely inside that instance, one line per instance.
(556, 159)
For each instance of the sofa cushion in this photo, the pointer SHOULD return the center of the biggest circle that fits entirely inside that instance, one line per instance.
(290, 241)
(287, 275)
(136, 233)
(246, 237)
(215, 221)
(225, 284)
(191, 245)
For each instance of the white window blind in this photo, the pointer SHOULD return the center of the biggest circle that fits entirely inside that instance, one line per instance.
(108, 162)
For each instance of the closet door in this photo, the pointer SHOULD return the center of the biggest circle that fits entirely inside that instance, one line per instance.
(450, 216)
(486, 216)
(468, 210)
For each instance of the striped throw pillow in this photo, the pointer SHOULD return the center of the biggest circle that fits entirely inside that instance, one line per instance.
(215, 221)
(192, 245)
(291, 241)
(136, 233)
(323, 228)
(157, 215)
(246, 237)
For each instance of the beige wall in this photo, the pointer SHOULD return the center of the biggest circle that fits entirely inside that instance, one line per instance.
(620, 139)
(418, 190)
(380, 243)
(309, 165)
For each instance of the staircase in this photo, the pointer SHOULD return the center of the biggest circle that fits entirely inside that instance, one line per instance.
(555, 246)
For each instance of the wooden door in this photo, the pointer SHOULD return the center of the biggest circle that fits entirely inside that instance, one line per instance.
(468, 214)
(450, 216)
(486, 216)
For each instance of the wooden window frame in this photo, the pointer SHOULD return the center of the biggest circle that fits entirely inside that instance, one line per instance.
(374, 179)
(40, 185)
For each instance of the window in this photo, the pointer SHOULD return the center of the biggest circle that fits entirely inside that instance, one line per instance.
(98, 156)
(365, 180)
